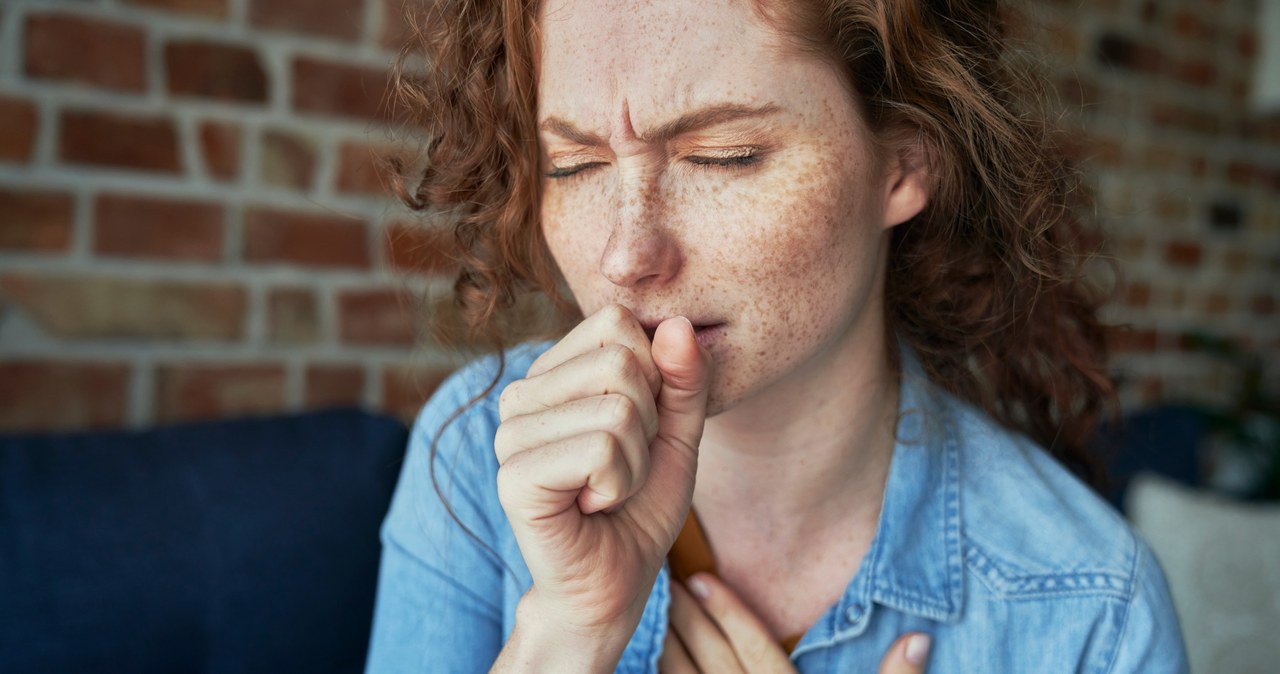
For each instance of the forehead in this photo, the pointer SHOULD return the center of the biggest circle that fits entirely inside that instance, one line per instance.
(655, 57)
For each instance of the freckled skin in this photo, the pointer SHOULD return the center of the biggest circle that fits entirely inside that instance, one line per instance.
(787, 252)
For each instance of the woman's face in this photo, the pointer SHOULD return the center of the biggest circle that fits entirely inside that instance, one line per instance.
(696, 165)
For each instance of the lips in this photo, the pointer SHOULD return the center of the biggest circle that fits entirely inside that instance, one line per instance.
(702, 331)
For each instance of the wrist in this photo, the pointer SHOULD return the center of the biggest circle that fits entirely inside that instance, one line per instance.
(544, 641)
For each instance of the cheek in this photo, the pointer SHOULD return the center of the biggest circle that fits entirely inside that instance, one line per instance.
(804, 218)
(573, 224)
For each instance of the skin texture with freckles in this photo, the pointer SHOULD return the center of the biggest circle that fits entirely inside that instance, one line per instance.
(770, 220)
(779, 250)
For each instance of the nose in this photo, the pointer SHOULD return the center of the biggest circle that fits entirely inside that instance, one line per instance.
(641, 251)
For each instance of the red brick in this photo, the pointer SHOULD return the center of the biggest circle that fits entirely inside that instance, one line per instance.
(1263, 305)
(1199, 166)
(220, 145)
(334, 386)
(339, 89)
(378, 317)
(1217, 304)
(1240, 173)
(420, 249)
(1172, 207)
(1137, 295)
(1123, 52)
(1247, 44)
(406, 389)
(1236, 260)
(121, 141)
(1196, 73)
(214, 9)
(293, 316)
(397, 28)
(1130, 247)
(365, 169)
(1128, 340)
(103, 307)
(45, 395)
(341, 19)
(188, 392)
(1183, 253)
(17, 129)
(287, 160)
(1188, 25)
(215, 70)
(78, 49)
(167, 229)
(308, 239)
(35, 220)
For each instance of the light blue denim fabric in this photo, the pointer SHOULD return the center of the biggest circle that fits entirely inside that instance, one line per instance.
(984, 541)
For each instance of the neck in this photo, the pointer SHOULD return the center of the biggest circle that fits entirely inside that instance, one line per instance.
(811, 453)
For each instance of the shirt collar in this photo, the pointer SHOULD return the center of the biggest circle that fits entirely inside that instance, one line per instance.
(915, 562)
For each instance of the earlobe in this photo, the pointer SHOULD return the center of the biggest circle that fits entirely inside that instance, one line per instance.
(909, 186)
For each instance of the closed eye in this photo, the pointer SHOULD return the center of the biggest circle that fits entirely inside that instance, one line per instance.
(733, 161)
(567, 171)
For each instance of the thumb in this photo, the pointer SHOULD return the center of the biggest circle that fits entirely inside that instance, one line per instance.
(686, 374)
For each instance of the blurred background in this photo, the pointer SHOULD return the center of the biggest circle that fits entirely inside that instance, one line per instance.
(193, 223)
(196, 224)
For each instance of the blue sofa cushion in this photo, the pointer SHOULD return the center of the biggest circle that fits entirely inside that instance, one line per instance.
(1164, 440)
(238, 546)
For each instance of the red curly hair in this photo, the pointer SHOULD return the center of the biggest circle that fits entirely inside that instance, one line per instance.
(987, 284)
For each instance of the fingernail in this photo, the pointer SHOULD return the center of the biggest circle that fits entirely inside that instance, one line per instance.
(918, 649)
(698, 587)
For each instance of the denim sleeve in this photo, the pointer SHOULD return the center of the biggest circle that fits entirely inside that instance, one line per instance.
(439, 601)
(1151, 639)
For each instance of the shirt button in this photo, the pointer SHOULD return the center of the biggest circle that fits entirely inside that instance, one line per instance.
(854, 613)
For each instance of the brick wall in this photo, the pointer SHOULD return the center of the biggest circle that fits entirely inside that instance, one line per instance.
(193, 222)
(1186, 177)
(193, 225)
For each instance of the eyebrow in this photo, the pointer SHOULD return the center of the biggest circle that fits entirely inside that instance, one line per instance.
(698, 119)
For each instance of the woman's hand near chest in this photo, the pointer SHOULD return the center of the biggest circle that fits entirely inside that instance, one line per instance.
(714, 631)
(598, 451)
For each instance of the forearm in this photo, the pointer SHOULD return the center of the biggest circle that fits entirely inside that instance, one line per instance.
(541, 643)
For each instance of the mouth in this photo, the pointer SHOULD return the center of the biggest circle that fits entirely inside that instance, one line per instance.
(703, 332)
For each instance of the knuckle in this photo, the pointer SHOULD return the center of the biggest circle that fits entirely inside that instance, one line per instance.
(618, 413)
(507, 400)
(601, 451)
(615, 314)
(617, 361)
(503, 441)
(506, 482)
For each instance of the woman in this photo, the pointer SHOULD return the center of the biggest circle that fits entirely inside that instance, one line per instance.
(832, 299)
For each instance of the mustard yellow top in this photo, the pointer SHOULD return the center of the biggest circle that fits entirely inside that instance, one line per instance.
(691, 554)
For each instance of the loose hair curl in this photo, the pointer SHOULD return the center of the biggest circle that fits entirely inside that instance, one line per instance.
(987, 284)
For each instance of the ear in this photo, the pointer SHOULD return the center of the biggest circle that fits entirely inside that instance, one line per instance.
(907, 182)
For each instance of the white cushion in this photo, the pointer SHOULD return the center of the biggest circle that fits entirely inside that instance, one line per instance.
(1222, 560)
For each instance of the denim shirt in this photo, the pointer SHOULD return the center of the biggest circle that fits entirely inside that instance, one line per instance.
(984, 541)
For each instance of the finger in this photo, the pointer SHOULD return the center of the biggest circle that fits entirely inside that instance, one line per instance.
(612, 368)
(705, 643)
(547, 481)
(614, 414)
(686, 372)
(908, 655)
(751, 641)
(675, 659)
(614, 324)
(682, 409)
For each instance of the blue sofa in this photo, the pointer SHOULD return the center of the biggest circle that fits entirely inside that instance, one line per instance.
(250, 545)
(238, 546)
